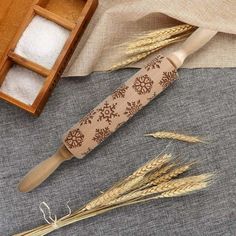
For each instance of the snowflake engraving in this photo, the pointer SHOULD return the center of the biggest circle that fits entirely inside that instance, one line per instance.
(132, 108)
(168, 78)
(101, 134)
(74, 138)
(143, 84)
(120, 92)
(107, 112)
(88, 118)
(155, 63)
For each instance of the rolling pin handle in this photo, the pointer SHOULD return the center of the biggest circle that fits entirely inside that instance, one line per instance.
(43, 170)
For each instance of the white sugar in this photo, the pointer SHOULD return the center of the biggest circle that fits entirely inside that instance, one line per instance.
(42, 41)
(22, 84)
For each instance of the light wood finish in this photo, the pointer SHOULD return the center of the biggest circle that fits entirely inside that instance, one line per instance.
(5, 68)
(12, 13)
(69, 6)
(193, 43)
(54, 10)
(41, 172)
(18, 103)
(53, 17)
(29, 64)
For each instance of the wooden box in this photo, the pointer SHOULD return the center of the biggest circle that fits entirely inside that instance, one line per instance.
(72, 15)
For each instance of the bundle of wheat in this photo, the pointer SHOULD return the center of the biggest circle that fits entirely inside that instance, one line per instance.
(154, 180)
(150, 42)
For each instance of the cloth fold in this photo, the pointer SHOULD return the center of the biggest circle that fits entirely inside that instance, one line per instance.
(119, 21)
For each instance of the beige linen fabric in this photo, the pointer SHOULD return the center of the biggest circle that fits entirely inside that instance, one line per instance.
(118, 21)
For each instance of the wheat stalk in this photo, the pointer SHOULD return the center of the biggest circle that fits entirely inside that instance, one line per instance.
(131, 60)
(176, 136)
(163, 187)
(147, 41)
(112, 194)
(151, 42)
(155, 45)
(158, 173)
(175, 30)
(184, 189)
(129, 183)
(156, 163)
(159, 35)
(172, 174)
(142, 55)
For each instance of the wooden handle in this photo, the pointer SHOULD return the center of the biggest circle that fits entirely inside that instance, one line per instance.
(193, 43)
(43, 170)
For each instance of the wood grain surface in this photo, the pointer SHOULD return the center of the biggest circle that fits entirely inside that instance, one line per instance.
(12, 12)
(71, 9)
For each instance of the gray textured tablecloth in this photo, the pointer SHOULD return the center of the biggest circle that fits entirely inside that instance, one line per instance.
(202, 102)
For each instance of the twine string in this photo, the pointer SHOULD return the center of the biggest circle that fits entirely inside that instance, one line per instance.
(52, 221)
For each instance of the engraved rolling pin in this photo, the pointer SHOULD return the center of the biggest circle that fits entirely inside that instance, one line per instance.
(116, 109)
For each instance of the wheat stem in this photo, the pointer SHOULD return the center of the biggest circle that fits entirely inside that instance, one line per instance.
(147, 41)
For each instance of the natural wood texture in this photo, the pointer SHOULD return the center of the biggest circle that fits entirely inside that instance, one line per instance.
(12, 13)
(5, 68)
(71, 8)
(59, 11)
(53, 17)
(29, 64)
(16, 102)
(65, 55)
(41, 172)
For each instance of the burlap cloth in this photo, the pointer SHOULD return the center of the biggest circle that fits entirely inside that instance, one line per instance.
(118, 21)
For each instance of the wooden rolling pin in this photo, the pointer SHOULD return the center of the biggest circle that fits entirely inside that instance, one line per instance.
(116, 109)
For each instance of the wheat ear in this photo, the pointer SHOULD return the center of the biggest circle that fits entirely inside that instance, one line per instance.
(184, 189)
(172, 174)
(129, 183)
(178, 29)
(113, 193)
(159, 35)
(156, 163)
(158, 173)
(155, 41)
(176, 136)
(143, 55)
(163, 187)
(155, 45)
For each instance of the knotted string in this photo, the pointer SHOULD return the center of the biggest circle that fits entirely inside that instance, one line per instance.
(52, 221)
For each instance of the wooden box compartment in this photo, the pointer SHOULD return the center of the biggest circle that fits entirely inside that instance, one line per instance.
(71, 15)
